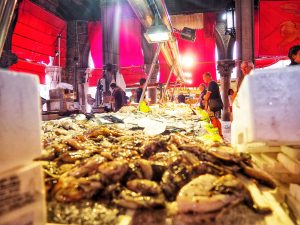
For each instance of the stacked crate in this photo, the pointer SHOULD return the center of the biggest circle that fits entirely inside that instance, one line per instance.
(283, 162)
(61, 100)
(22, 192)
(293, 199)
(266, 122)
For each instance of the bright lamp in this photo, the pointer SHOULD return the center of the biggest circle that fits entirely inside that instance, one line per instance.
(158, 32)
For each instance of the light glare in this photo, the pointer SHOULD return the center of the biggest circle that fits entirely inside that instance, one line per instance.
(187, 74)
(224, 16)
(187, 61)
(157, 37)
(189, 81)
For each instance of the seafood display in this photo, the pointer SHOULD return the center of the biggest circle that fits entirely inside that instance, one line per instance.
(114, 161)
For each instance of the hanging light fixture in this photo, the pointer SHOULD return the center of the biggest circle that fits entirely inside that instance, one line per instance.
(188, 34)
(230, 20)
(158, 32)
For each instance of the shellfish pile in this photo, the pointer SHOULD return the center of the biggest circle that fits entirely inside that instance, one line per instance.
(85, 160)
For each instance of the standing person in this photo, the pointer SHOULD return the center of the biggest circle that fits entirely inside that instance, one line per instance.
(294, 55)
(214, 101)
(139, 91)
(132, 98)
(202, 101)
(109, 77)
(118, 97)
(230, 99)
(247, 68)
(99, 93)
(230, 96)
(181, 98)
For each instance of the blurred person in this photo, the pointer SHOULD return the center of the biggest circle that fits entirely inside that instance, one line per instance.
(118, 97)
(90, 99)
(181, 98)
(203, 91)
(99, 93)
(133, 97)
(247, 68)
(231, 94)
(139, 91)
(213, 98)
(109, 76)
(294, 55)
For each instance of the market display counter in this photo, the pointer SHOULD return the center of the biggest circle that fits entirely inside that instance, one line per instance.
(164, 167)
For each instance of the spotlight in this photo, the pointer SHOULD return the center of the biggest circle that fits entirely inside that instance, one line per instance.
(188, 34)
(158, 32)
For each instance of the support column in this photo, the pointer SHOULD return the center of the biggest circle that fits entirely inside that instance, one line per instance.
(244, 33)
(225, 69)
(8, 20)
(110, 17)
(152, 92)
(150, 73)
(77, 58)
(149, 52)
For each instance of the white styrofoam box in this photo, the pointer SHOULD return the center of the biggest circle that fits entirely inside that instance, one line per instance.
(294, 189)
(267, 107)
(22, 196)
(20, 118)
(292, 152)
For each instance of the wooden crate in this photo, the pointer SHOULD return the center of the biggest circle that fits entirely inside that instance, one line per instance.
(60, 105)
(56, 93)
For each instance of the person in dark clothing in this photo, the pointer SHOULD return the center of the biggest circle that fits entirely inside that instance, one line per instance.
(294, 55)
(213, 93)
(139, 91)
(118, 97)
(203, 91)
(181, 98)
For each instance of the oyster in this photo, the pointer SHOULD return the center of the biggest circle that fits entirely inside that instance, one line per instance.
(144, 187)
(196, 196)
(133, 200)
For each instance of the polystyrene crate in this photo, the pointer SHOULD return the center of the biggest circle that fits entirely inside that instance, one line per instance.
(22, 196)
(20, 118)
(267, 108)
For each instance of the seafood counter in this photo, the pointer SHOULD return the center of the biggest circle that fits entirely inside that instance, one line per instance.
(113, 168)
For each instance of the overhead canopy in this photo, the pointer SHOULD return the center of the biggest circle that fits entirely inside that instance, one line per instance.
(35, 39)
(90, 9)
(36, 32)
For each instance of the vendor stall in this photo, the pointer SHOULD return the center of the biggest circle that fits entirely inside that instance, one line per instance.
(147, 163)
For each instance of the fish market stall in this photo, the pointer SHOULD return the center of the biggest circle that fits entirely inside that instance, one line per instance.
(155, 168)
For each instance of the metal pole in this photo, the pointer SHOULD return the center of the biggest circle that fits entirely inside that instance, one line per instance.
(150, 72)
(2, 7)
(58, 40)
(168, 81)
(5, 20)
